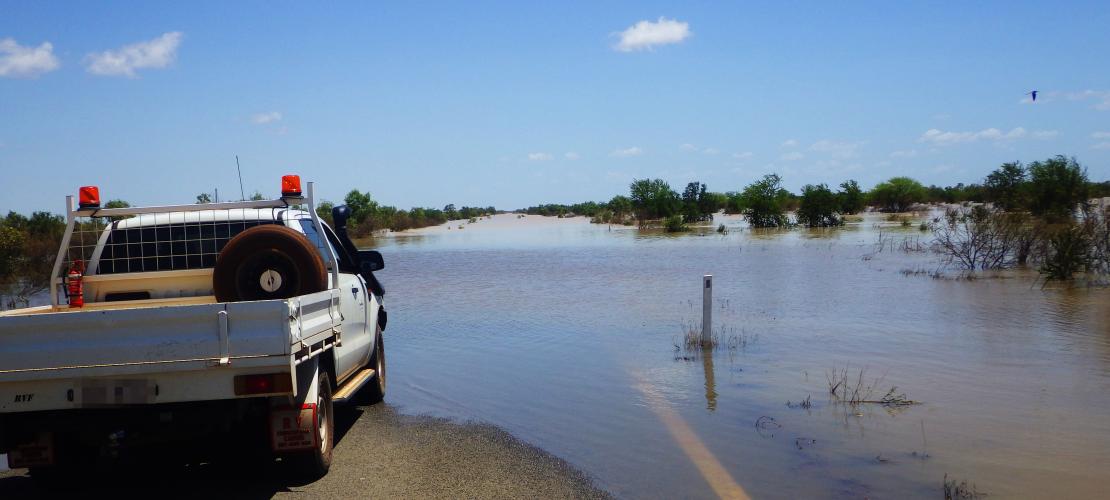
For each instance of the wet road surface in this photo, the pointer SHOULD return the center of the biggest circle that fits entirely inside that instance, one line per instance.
(380, 454)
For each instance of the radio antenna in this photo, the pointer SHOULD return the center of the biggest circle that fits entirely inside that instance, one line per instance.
(242, 195)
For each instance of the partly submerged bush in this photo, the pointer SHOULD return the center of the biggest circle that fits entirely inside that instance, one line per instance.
(675, 224)
(764, 202)
(819, 207)
(897, 194)
(981, 238)
(1069, 251)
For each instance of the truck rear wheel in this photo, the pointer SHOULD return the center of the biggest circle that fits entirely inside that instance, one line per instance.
(315, 464)
(265, 262)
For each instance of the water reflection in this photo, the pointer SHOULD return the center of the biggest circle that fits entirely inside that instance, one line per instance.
(710, 384)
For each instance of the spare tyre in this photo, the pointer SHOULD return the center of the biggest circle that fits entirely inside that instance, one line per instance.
(265, 262)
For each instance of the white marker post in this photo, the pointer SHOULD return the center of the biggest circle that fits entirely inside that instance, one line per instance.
(707, 311)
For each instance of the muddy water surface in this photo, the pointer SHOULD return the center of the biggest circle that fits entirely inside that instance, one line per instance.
(565, 332)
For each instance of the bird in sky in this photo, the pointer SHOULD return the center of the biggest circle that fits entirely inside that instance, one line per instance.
(1034, 94)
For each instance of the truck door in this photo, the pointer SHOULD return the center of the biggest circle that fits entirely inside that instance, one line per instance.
(353, 304)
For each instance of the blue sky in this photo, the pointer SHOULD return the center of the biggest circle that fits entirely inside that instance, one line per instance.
(513, 104)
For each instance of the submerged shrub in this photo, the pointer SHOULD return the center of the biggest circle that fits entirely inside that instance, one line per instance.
(819, 207)
(675, 224)
(851, 197)
(764, 202)
(897, 194)
(981, 238)
(1069, 249)
(1057, 187)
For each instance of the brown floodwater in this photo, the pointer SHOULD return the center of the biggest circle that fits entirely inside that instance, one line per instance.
(564, 333)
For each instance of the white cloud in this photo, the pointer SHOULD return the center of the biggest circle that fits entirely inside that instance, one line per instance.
(789, 143)
(624, 153)
(942, 138)
(20, 61)
(157, 53)
(1100, 135)
(264, 118)
(571, 155)
(1101, 98)
(1102, 145)
(908, 153)
(646, 34)
(836, 149)
(792, 156)
(694, 149)
(742, 156)
(540, 156)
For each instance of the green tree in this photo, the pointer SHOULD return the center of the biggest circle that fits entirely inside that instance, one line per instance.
(851, 197)
(450, 211)
(898, 194)
(323, 211)
(11, 251)
(204, 198)
(695, 203)
(1056, 187)
(653, 199)
(621, 207)
(256, 196)
(362, 206)
(30, 265)
(819, 207)
(117, 204)
(712, 202)
(734, 202)
(1006, 187)
(764, 202)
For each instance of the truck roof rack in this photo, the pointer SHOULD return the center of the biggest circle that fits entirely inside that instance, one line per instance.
(89, 206)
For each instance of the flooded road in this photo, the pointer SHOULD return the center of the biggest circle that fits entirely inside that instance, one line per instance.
(568, 335)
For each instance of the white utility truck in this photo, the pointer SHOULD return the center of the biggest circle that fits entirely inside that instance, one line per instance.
(170, 324)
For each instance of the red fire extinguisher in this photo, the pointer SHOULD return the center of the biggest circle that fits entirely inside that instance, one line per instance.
(75, 289)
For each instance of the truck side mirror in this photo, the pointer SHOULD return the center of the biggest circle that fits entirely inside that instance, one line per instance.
(339, 216)
(370, 261)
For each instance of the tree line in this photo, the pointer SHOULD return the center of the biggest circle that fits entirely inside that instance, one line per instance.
(368, 216)
(1051, 188)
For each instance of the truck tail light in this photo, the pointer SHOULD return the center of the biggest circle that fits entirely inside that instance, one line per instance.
(263, 383)
(89, 197)
(290, 185)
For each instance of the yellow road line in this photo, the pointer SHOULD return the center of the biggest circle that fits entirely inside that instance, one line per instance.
(711, 469)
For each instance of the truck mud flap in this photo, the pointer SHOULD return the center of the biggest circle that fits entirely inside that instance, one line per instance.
(293, 421)
(38, 452)
(293, 429)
